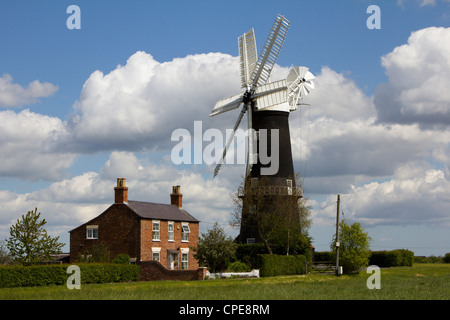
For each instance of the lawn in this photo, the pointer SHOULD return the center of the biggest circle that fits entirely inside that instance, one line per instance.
(422, 281)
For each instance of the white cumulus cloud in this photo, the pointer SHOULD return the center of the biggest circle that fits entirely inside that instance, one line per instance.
(14, 95)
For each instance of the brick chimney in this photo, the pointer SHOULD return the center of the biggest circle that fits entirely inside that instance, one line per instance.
(121, 191)
(176, 198)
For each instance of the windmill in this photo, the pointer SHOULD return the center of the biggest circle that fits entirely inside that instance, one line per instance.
(267, 105)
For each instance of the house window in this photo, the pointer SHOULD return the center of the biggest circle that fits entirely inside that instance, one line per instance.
(171, 231)
(91, 232)
(185, 232)
(156, 234)
(184, 261)
(156, 254)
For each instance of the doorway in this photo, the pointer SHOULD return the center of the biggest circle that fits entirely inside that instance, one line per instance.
(172, 260)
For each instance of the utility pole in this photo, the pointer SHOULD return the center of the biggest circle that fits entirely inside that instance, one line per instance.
(337, 235)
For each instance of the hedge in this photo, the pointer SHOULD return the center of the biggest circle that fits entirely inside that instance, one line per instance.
(324, 256)
(43, 275)
(393, 258)
(274, 265)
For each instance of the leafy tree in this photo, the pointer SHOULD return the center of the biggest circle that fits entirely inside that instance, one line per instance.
(446, 258)
(354, 251)
(215, 249)
(99, 253)
(5, 256)
(29, 242)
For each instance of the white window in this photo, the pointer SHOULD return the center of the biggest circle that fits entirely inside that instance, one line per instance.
(184, 261)
(91, 232)
(156, 254)
(289, 186)
(185, 232)
(156, 234)
(171, 231)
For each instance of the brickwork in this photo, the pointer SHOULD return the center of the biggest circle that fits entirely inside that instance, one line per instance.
(147, 242)
(124, 228)
(153, 270)
(118, 229)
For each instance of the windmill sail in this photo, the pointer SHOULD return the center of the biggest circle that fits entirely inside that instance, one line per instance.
(259, 95)
(227, 104)
(270, 51)
(247, 56)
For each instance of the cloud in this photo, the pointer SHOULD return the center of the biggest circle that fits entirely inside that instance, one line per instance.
(138, 105)
(14, 95)
(339, 142)
(415, 195)
(29, 142)
(423, 3)
(417, 91)
(70, 202)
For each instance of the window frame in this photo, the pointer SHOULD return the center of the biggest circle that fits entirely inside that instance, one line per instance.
(156, 251)
(92, 235)
(171, 233)
(185, 230)
(156, 232)
(184, 262)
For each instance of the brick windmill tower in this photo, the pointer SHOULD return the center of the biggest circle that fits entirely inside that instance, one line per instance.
(268, 105)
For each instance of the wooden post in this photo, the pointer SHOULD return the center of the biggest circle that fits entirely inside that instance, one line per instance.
(337, 235)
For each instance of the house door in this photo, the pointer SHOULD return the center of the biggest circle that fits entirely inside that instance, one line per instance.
(172, 260)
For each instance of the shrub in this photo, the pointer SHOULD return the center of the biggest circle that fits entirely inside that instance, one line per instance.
(393, 258)
(248, 253)
(274, 265)
(238, 266)
(446, 258)
(324, 256)
(122, 259)
(20, 276)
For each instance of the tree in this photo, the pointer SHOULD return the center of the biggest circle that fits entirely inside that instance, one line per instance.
(279, 216)
(215, 249)
(29, 242)
(99, 253)
(5, 256)
(354, 251)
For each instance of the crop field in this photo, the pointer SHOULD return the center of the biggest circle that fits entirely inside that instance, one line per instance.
(420, 282)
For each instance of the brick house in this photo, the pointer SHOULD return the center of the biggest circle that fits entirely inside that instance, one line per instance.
(145, 231)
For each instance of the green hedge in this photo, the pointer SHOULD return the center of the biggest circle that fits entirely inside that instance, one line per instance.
(324, 256)
(274, 265)
(393, 258)
(20, 276)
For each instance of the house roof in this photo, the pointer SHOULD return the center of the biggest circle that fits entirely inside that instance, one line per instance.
(151, 210)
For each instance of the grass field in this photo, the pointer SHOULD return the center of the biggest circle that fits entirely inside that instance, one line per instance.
(422, 281)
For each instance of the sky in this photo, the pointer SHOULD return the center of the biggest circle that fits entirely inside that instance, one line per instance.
(81, 107)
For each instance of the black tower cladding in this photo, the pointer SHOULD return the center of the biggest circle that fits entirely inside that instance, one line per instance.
(270, 179)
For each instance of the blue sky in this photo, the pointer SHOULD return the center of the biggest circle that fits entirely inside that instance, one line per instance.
(79, 108)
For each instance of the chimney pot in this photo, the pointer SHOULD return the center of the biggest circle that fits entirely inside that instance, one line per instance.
(176, 198)
(121, 191)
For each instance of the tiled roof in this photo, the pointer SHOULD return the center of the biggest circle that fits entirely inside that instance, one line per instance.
(151, 210)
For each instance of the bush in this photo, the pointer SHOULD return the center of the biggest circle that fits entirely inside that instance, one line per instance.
(248, 253)
(446, 258)
(122, 259)
(20, 276)
(324, 256)
(274, 265)
(43, 275)
(238, 266)
(393, 258)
